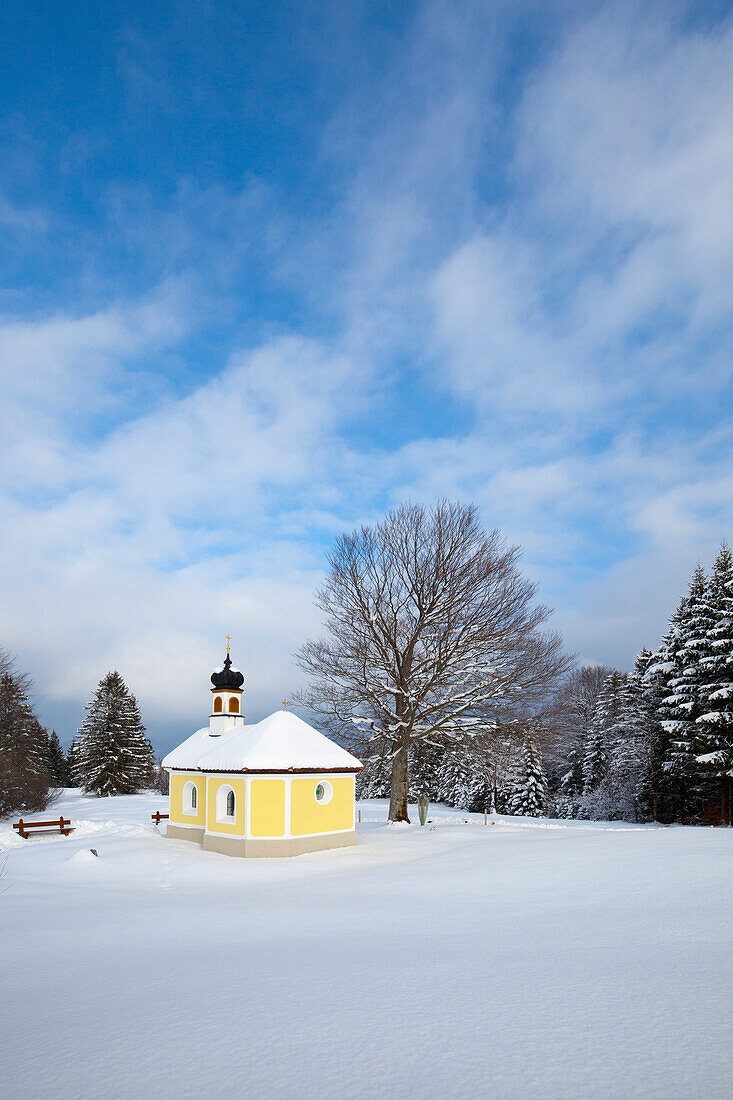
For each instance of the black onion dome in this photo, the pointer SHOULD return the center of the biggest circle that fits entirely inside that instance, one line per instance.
(228, 678)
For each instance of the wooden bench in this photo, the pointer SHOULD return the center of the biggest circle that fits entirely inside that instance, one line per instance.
(158, 817)
(61, 825)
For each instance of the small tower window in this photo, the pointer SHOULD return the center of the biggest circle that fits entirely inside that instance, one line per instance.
(230, 804)
(218, 705)
(234, 705)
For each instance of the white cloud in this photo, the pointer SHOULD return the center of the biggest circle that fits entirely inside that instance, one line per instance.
(576, 322)
(172, 528)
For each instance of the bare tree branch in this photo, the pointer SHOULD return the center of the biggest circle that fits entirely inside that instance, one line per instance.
(433, 633)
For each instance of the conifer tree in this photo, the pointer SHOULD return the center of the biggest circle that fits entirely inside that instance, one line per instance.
(459, 784)
(629, 736)
(24, 780)
(530, 796)
(596, 758)
(111, 752)
(664, 667)
(684, 702)
(612, 758)
(714, 723)
(570, 714)
(373, 781)
(652, 740)
(71, 756)
(423, 769)
(56, 761)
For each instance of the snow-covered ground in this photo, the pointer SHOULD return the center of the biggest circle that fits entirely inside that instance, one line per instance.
(521, 959)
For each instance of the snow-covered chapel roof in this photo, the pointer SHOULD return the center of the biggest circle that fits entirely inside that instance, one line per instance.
(281, 743)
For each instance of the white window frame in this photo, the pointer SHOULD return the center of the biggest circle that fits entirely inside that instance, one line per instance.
(188, 807)
(222, 794)
(327, 792)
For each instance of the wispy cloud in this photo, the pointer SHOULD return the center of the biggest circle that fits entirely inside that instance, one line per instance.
(506, 280)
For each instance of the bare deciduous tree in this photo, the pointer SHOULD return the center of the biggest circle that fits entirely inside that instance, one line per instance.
(432, 633)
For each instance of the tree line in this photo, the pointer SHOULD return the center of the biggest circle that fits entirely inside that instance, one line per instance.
(437, 669)
(656, 744)
(110, 753)
(436, 666)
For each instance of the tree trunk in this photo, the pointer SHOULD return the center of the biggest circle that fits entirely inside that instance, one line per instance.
(398, 794)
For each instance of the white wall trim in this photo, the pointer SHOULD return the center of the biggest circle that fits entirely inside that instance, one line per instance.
(288, 806)
(328, 832)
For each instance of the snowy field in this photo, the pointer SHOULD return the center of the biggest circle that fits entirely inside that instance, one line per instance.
(520, 959)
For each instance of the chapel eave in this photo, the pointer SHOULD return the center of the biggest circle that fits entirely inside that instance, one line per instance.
(265, 771)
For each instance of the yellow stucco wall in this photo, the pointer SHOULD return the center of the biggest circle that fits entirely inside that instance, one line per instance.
(309, 816)
(267, 811)
(178, 781)
(236, 827)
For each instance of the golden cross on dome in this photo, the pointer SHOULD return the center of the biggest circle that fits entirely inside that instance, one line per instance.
(229, 638)
(285, 704)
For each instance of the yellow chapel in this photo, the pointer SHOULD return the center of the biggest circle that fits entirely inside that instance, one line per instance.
(277, 787)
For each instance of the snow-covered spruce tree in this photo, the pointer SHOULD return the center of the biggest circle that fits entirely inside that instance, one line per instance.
(112, 755)
(71, 760)
(664, 667)
(595, 758)
(684, 701)
(432, 632)
(630, 739)
(24, 780)
(423, 767)
(56, 763)
(459, 784)
(493, 756)
(714, 723)
(373, 780)
(530, 795)
(651, 740)
(607, 728)
(569, 716)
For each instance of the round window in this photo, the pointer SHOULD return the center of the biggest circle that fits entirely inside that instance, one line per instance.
(324, 792)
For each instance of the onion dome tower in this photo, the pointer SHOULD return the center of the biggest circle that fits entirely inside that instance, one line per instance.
(227, 692)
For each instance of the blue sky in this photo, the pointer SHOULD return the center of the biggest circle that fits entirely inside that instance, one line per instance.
(268, 269)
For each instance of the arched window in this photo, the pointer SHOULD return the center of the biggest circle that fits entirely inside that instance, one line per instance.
(226, 804)
(234, 705)
(189, 798)
(218, 705)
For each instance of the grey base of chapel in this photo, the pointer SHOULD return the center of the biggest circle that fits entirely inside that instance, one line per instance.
(263, 848)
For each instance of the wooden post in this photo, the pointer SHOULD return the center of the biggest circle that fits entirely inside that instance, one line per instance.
(485, 816)
(360, 817)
